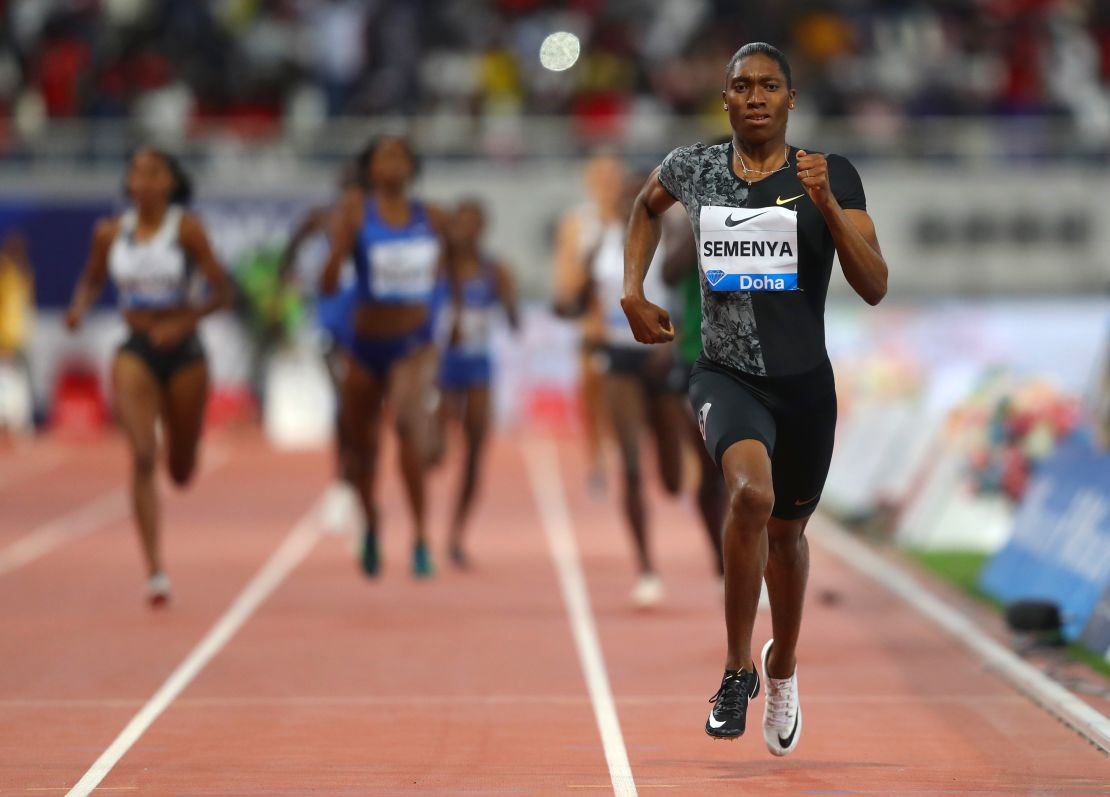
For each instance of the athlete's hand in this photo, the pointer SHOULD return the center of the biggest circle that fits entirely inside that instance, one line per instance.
(74, 317)
(650, 323)
(813, 172)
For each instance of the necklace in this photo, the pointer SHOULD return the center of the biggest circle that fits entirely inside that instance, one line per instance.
(746, 170)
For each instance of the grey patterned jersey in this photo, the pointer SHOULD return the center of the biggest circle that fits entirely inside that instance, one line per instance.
(765, 333)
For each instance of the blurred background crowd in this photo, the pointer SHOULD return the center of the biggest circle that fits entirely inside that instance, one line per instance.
(262, 66)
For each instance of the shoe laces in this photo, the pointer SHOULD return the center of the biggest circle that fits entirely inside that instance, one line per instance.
(727, 698)
(782, 700)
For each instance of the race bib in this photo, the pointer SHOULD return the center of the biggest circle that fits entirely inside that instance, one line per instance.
(749, 249)
(404, 271)
(474, 329)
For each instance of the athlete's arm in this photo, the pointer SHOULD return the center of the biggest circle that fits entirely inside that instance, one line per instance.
(571, 291)
(439, 219)
(194, 240)
(853, 231)
(313, 222)
(506, 294)
(92, 279)
(650, 323)
(344, 230)
(682, 254)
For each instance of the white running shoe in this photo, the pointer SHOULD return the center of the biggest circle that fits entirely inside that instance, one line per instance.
(340, 510)
(782, 713)
(648, 591)
(158, 591)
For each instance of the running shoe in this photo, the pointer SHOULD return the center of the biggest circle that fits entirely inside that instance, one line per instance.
(458, 557)
(728, 717)
(158, 591)
(369, 558)
(422, 561)
(648, 591)
(782, 713)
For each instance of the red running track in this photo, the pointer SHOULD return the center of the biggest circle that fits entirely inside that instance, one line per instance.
(471, 684)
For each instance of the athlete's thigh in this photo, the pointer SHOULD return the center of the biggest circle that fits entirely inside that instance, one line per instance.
(803, 453)
(627, 411)
(183, 404)
(728, 413)
(137, 398)
(411, 386)
(360, 400)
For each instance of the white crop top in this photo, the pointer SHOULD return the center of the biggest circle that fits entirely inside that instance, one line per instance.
(608, 275)
(153, 273)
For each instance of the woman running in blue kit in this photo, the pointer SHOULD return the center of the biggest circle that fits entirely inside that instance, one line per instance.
(485, 288)
(394, 242)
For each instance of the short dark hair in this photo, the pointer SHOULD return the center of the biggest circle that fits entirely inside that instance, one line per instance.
(761, 48)
(367, 155)
(182, 193)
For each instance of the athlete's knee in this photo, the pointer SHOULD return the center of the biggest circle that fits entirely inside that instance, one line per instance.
(751, 498)
(143, 461)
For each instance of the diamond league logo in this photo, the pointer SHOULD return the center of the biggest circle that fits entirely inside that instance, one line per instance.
(714, 275)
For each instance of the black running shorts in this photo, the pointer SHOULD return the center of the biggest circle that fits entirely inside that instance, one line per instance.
(793, 416)
(165, 362)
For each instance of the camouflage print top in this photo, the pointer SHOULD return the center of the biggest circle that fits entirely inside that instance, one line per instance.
(761, 332)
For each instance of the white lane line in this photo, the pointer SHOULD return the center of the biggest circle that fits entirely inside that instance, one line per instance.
(1027, 679)
(94, 515)
(87, 518)
(13, 476)
(547, 487)
(297, 544)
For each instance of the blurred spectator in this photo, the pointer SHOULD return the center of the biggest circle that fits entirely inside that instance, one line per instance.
(176, 62)
(17, 299)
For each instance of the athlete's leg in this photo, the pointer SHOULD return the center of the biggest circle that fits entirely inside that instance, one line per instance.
(747, 471)
(786, 575)
(336, 363)
(475, 429)
(137, 398)
(627, 413)
(411, 380)
(594, 416)
(360, 410)
(712, 497)
(667, 413)
(183, 403)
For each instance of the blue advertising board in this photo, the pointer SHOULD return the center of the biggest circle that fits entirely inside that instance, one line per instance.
(1060, 548)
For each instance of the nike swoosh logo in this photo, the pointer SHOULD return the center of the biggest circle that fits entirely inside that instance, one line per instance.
(714, 723)
(730, 222)
(786, 742)
(810, 501)
(781, 201)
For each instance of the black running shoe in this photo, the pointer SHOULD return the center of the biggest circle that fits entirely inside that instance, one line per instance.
(729, 715)
(369, 558)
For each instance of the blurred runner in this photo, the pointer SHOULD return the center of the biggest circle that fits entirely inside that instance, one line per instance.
(160, 373)
(301, 263)
(485, 287)
(395, 244)
(579, 234)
